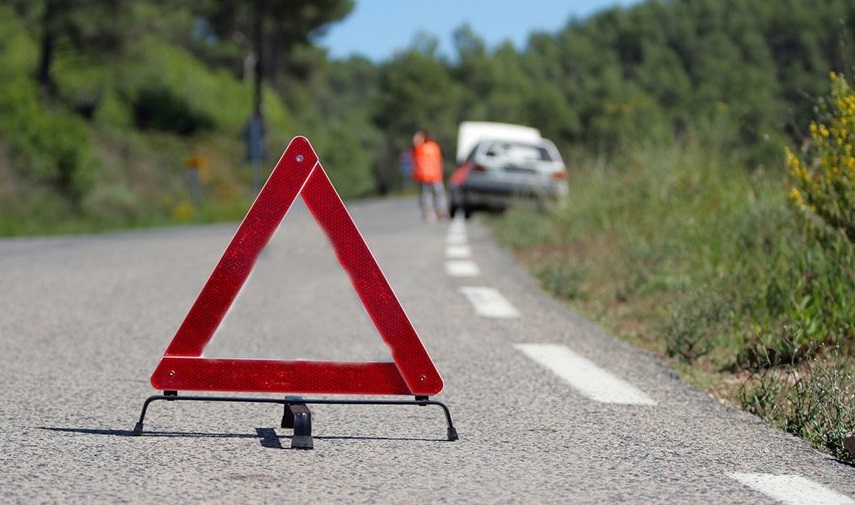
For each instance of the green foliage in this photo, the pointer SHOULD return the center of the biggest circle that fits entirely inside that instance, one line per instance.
(824, 181)
(113, 112)
(346, 160)
(416, 91)
(815, 402)
(806, 307)
(174, 75)
(51, 148)
(18, 52)
(683, 250)
(334, 109)
(160, 109)
(810, 275)
(284, 23)
(623, 78)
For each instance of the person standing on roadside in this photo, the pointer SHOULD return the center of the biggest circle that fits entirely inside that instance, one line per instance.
(427, 174)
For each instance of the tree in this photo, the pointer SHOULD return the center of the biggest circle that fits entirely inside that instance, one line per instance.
(512, 85)
(472, 71)
(273, 28)
(416, 91)
(92, 27)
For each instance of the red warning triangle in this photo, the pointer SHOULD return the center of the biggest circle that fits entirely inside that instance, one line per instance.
(298, 172)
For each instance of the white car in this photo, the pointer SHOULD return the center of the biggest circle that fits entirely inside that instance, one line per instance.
(505, 163)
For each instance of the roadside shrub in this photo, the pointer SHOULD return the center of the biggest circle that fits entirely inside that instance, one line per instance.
(799, 350)
(693, 331)
(346, 158)
(160, 109)
(47, 147)
(782, 289)
(806, 307)
(824, 175)
(562, 279)
(815, 402)
(158, 69)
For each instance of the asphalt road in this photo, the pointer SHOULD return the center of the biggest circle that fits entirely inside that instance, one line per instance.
(85, 320)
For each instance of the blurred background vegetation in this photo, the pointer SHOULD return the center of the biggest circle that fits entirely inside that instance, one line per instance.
(709, 145)
(102, 102)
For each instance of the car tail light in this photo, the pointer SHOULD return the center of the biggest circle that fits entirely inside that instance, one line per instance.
(459, 175)
(559, 175)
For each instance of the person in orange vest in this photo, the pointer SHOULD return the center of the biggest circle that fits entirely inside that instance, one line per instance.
(427, 174)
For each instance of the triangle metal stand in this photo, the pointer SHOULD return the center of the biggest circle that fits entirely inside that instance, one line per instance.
(296, 415)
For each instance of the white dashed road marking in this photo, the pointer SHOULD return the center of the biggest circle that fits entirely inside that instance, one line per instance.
(489, 303)
(589, 379)
(458, 238)
(792, 489)
(457, 225)
(458, 251)
(600, 385)
(461, 268)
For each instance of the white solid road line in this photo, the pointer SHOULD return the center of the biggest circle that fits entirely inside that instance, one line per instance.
(489, 303)
(589, 379)
(792, 489)
(461, 268)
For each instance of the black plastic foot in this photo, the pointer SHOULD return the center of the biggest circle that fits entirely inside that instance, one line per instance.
(287, 415)
(452, 434)
(138, 429)
(302, 443)
(302, 422)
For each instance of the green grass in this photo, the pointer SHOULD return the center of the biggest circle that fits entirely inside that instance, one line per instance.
(683, 250)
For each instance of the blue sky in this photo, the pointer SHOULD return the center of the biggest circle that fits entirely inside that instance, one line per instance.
(378, 28)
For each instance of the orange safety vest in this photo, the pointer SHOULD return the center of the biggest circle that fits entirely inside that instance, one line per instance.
(427, 162)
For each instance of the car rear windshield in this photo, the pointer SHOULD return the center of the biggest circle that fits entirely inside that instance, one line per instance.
(516, 152)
